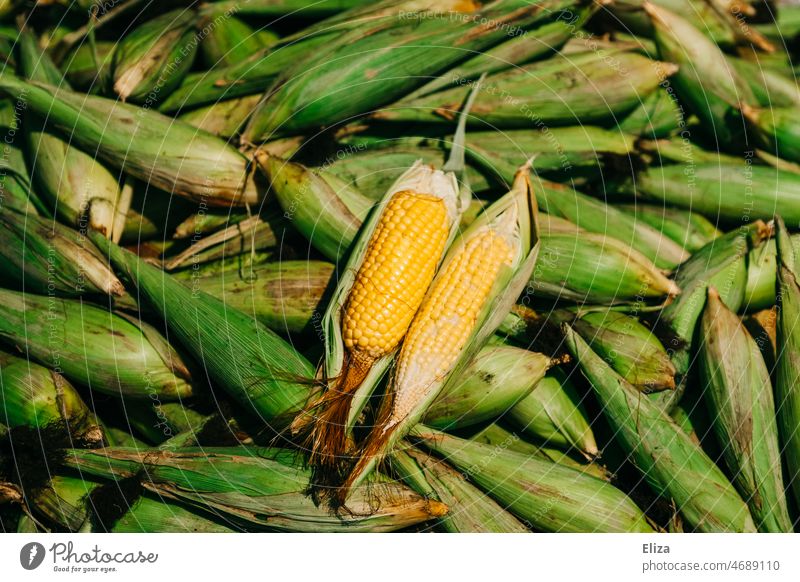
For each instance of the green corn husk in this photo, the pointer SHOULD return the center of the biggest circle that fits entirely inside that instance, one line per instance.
(518, 50)
(238, 265)
(558, 153)
(64, 501)
(293, 8)
(787, 376)
(27, 525)
(496, 380)
(762, 269)
(88, 66)
(231, 41)
(77, 187)
(735, 194)
(683, 419)
(595, 216)
(323, 208)
(15, 182)
(46, 257)
(658, 116)
(738, 390)
(690, 230)
(257, 73)
(166, 153)
(206, 222)
(250, 235)
(154, 515)
(371, 164)
(285, 296)
(721, 264)
(547, 496)
(495, 434)
(583, 89)
(251, 363)
(705, 81)
(153, 58)
(31, 395)
(107, 352)
(679, 150)
(671, 463)
(553, 414)
(596, 269)
(223, 118)
(120, 437)
(470, 510)
(769, 88)
(158, 422)
(629, 348)
(262, 489)
(712, 22)
(389, 60)
(776, 129)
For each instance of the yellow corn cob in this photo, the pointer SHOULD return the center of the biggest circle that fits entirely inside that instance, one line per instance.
(440, 331)
(398, 266)
(446, 320)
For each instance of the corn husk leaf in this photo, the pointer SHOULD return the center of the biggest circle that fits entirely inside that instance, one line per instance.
(671, 463)
(547, 496)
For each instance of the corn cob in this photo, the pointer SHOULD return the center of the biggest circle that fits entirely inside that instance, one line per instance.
(739, 394)
(777, 131)
(679, 150)
(223, 118)
(721, 264)
(15, 181)
(734, 193)
(690, 230)
(154, 515)
(258, 488)
(160, 421)
(553, 414)
(258, 72)
(671, 463)
(479, 280)
(787, 377)
(418, 47)
(629, 348)
(79, 189)
(34, 396)
(545, 495)
(496, 435)
(658, 116)
(705, 80)
(292, 8)
(88, 66)
(517, 50)
(597, 269)
(595, 216)
(248, 236)
(107, 352)
(168, 154)
(320, 206)
(561, 91)
(762, 271)
(155, 56)
(769, 88)
(230, 40)
(498, 378)
(247, 360)
(372, 309)
(46, 257)
(561, 153)
(283, 296)
(471, 511)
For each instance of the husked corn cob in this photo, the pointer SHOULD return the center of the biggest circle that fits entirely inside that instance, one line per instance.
(448, 317)
(480, 278)
(398, 264)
